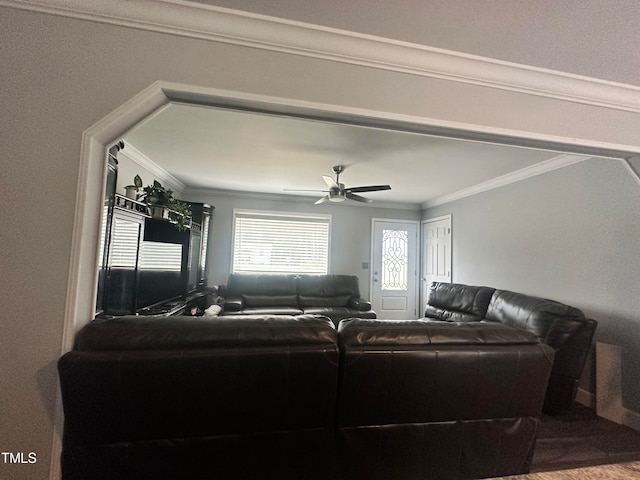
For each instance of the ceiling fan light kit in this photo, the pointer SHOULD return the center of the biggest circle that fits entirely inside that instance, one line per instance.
(339, 193)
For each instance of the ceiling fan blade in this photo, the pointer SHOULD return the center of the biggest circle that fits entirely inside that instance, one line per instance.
(302, 190)
(330, 182)
(358, 198)
(370, 188)
(322, 200)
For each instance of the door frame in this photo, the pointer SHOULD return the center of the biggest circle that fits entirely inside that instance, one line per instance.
(423, 253)
(417, 269)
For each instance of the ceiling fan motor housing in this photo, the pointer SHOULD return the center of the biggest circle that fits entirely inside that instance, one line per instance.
(337, 194)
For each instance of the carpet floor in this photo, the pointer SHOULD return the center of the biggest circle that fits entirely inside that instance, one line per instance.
(582, 439)
(616, 471)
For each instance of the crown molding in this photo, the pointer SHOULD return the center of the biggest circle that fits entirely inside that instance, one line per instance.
(139, 158)
(178, 17)
(554, 163)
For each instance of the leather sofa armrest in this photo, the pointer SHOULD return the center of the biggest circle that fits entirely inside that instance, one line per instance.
(233, 304)
(360, 304)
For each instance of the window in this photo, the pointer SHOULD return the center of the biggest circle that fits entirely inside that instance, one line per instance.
(280, 243)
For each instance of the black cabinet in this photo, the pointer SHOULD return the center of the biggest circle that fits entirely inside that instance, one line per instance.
(121, 280)
(150, 265)
(197, 265)
(105, 232)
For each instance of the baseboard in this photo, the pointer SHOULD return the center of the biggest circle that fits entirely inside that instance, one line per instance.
(586, 398)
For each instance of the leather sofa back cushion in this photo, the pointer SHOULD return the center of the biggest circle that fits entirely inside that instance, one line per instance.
(552, 322)
(270, 300)
(311, 301)
(450, 315)
(261, 284)
(164, 333)
(328, 285)
(457, 302)
(418, 333)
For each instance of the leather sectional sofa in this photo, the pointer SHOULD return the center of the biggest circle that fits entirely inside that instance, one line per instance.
(560, 326)
(437, 400)
(334, 296)
(290, 397)
(173, 398)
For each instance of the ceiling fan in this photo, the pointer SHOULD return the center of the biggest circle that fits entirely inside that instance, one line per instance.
(339, 193)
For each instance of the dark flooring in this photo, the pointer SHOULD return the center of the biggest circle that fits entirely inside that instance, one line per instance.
(582, 439)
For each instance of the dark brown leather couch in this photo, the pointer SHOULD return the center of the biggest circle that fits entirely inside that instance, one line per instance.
(564, 328)
(194, 398)
(252, 397)
(334, 296)
(438, 401)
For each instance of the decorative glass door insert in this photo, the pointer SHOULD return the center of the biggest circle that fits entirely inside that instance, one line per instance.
(395, 259)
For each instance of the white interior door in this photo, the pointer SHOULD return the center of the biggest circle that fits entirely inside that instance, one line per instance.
(436, 252)
(394, 269)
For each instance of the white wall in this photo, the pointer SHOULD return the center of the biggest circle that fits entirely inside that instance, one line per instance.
(350, 241)
(61, 76)
(572, 235)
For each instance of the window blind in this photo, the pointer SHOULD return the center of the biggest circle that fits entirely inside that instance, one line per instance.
(280, 243)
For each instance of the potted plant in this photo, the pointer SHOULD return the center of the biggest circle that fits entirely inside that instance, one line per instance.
(180, 213)
(156, 194)
(132, 190)
(163, 205)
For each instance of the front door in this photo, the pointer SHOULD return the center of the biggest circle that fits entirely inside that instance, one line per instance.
(394, 269)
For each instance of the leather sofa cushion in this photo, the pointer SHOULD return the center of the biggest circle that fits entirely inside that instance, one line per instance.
(457, 302)
(449, 315)
(365, 332)
(552, 322)
(267, 310)
(270, 300)
(260, 284)
(360, 304)
(313, 301)
(421, 371)
(153, 333)
(328, 285)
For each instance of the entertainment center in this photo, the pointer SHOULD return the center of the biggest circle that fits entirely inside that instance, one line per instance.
(149, 264)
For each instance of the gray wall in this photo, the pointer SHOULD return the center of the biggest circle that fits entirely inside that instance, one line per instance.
(350, 241)
(60, 76)
(572, 235)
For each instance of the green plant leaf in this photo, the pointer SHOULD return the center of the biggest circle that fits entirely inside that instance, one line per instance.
(137, 181)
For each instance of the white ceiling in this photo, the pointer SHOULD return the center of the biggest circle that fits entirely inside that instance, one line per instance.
(220, 149)
(211, 148)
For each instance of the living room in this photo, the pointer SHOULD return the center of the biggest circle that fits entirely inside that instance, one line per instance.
(570, 234)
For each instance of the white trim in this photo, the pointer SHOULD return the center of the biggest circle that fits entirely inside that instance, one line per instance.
(178, 92)
(522, 174)
(633, 167)
(196, 20)
(140, 159)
